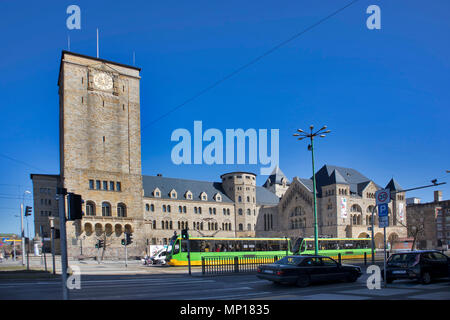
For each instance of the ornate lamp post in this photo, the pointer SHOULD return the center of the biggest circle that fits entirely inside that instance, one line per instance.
(302, 135)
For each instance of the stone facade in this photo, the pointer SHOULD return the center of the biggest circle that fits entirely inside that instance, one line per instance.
(344, 208)
(100, 157)
(434, 219)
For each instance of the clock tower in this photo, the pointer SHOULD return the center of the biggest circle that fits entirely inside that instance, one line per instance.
(100, 145)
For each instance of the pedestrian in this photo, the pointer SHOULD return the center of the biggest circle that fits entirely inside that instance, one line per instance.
(1, 256)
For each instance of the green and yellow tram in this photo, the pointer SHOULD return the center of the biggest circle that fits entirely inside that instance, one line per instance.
(263, 247)
(349, 248)
(225, 247)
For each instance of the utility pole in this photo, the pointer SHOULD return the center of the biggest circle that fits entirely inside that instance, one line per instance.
(52, 228)
(22, 234)
(63, 240)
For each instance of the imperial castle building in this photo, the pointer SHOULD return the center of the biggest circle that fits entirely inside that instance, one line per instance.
(100, 159)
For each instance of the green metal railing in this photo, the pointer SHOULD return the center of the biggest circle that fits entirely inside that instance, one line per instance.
(227, 264)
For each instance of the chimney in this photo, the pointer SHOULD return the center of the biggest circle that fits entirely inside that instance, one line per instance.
(437, 196)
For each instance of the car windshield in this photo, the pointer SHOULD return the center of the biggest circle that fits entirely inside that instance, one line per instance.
(293, 261)
(404, 258)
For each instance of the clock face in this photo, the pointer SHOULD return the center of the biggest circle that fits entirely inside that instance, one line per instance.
(103, 81)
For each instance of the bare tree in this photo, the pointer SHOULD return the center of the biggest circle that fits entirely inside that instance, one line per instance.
(415, 228)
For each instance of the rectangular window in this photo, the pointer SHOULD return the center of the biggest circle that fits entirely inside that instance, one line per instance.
(118, 186)
(91, 184)
(97, 184)
(105, 185)
(111, 185)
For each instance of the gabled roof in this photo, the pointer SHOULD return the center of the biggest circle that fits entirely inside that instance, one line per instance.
(329, 174)
(337, 178)
(181, 186)
(394, 186)
(275, 177)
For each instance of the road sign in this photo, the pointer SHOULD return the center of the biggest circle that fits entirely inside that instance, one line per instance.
(383, 221)
(383, 196)
(383, 210)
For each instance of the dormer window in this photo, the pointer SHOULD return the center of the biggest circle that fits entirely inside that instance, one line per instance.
(203, 196)
(218, 197)
(173, 194)
(157, 193)
(188, 195)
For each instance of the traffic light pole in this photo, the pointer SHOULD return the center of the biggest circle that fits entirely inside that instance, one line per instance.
(22, 234)
(126, 254)
(189, 254)
(63, 241)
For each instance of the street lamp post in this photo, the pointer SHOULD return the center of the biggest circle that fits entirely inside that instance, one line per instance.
(302, 135)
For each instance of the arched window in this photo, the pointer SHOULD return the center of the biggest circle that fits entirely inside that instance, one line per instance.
(248, 199)
(240, 211)
(241, 228)
(195, 209)
(239, 199)
(249, 212)
(168, 208)
(200, 211)
(121, 210)
(249, 227)
(106, 209)
(152, 207)
(184, 209)
(147, 207)
(164, 208)
(90, 208)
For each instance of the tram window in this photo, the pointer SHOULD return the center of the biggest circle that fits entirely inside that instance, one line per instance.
(251, 245)
(283, 245)
(176, 248)
(274, 245)
(260, 245)
(310, 245)
(195, 246)
(184, 246)
(239, 245)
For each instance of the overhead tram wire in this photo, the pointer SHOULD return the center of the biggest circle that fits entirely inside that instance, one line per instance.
(230, 75)
(19, 161)
(250, 63)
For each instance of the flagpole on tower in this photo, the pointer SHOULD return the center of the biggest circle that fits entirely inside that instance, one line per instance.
(97, 42)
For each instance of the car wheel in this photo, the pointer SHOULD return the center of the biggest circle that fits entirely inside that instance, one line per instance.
(425, 278)
(303, 281)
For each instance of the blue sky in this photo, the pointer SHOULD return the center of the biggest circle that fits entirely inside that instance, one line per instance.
(383, 93)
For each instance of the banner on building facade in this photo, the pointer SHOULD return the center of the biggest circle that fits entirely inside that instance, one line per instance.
(343, 208)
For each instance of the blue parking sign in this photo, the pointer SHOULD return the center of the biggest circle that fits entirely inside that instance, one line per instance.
(383, 210)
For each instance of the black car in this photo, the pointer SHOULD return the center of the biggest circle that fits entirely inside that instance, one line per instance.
(303, 270)
(423, 266)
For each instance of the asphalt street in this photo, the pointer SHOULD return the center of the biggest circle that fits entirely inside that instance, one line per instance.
(152, 283)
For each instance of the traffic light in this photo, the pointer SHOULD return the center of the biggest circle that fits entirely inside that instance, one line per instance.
(129, 239)
(123, 242)
(185, 234)
(100, 244)
(74, 202)
(28, 211)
